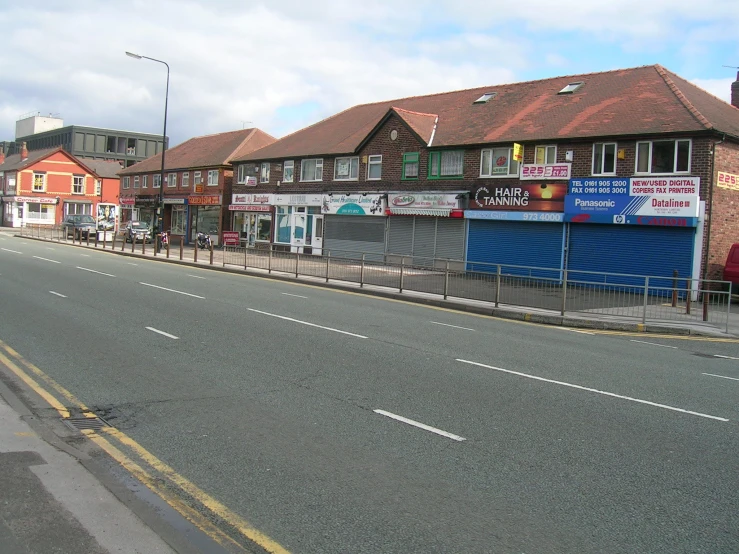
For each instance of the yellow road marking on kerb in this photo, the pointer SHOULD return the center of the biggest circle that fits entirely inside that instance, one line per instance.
(197, 519)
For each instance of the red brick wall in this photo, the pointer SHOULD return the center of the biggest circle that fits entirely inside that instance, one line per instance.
(725, 213)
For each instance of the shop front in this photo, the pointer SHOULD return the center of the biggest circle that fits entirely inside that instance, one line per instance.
(32, 210)
(175, 217)
(426, 226)
(251, 217)
(128, 210)
(146, 206)
(298, 223)
(517, 225)
(354, 225)
(205, 216)
(642, 227)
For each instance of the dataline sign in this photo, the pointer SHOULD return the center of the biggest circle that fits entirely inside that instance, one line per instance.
(672, 210)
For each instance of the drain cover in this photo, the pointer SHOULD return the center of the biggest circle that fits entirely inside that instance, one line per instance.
(82, 423)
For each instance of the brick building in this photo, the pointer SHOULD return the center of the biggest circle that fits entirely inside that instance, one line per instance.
(618, 172)
(198, 176)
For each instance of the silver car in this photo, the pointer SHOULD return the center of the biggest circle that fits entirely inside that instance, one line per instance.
(139, 230)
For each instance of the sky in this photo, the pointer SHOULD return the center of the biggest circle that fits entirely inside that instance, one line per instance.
(281, 65)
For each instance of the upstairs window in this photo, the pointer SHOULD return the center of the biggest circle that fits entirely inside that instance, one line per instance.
(212, 177)
(78, 184)
(171, 180)
(198, 178)
(126, 182)
(185, 179)
(604, 158)
(39, 182)
(663, 156)
(241, 174)
(374, 168)
(98, 187)
(288, 171)
(447, 164)
(346, 169)
(156, 181)
(545, 155)
(411, 162)
(264, 173)
(144, 181)
(311, 170)
(135, 182)
(498, 162)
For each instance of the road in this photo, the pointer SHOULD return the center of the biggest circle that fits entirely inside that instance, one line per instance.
(334, 422)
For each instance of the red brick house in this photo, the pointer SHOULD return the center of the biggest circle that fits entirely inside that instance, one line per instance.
(624, 171)
(197, 188)
(42, 186)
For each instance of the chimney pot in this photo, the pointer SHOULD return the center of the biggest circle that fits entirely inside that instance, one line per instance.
(24, 151)
(2, 155)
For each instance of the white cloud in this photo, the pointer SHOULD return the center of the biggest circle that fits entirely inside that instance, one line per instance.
(718, 87)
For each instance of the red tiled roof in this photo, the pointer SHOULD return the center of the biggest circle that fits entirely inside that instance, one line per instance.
(423, 124)
(638, 101)
(205, 151)
(13, 162)
(107, 169)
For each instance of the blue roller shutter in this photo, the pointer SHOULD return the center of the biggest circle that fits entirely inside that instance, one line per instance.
(515, 243)
(631, 249)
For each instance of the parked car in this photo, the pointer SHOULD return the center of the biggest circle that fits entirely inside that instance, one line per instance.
(138, 229)
(731, 268)
(73, 225)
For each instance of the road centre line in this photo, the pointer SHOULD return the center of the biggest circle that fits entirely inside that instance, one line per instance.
(85, 255)
(725, 357)
(57, 294)
(295, 295)
(9, 250)
(448, 325)
(162, 333)
(420, 425)
(587, 389)
(47, 260)
(131, 263)
(172, 290)
(93, 271)
(308, 324)
(195, 276)
(721, 376)
(653, 344)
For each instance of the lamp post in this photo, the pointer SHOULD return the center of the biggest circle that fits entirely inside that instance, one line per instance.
(160, 203)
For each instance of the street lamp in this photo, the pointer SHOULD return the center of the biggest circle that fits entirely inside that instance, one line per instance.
(160, 204)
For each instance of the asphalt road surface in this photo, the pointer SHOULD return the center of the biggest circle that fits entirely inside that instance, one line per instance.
(336, 422)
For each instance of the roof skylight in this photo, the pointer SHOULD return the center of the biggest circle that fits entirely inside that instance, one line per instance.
(572, 87)
(485, 98)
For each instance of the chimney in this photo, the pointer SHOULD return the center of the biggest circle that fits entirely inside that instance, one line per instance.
(24, 151)
(2, 155)
(735, 92)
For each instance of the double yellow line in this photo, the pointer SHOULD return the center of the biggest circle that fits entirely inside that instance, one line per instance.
(142, 468)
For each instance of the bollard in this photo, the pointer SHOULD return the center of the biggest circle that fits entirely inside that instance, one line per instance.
(674, 288)
(133, 244)
(156, 244)
(105, 237)
(195, 254)
(87, 237)
(446, 280)
(211, 253)
(706, 302)
(167, 247)
(328, 265)
(96, 238)
(182, 247)
(564, 292)
(361, 272)
(112, 242)
(402, 263)
(143, 247)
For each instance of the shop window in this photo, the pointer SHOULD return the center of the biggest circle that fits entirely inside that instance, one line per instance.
(282, 222)
(178, 220)
(263, 173)
(346, 169)
(171, 180)
(545, 154)
(663, 156)
(185, 179)
(127, 182)
(213, 178)
(498, 162)
(311, 170)
(604, 158)
(410, 166)
(374, 168)
(288, 170)
(78, 184)
(39, 182)
(448, 164)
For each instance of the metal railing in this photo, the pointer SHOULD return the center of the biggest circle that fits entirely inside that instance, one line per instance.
(619, 296)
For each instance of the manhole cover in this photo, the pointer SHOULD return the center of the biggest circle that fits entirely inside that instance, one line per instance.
(82, 423)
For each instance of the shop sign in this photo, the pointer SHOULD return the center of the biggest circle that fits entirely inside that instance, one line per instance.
(665, 185)
(297, 199)
(423, 201)
(538, 217)
(37, 199)
(633, 210)
(230, 238)
(127, 201)
(600, 185)
(146, 200)
(175, 201)
(545, 197)
(211, 200)
(353, 204)
(546, 171)
(249, 208)
(727, 181)
(199, 187)
(251, 199)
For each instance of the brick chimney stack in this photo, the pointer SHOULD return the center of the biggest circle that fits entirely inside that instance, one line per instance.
(2, 155)
(24, 151)
(735, 92)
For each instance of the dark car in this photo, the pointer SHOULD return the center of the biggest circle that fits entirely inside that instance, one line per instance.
(138, 229)
(73, 225)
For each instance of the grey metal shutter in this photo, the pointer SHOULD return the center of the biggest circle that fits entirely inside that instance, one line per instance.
(424, 240)
(351, 236)
(450, 239)
(400, 235)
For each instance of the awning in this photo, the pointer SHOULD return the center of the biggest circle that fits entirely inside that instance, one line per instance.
(438, 212)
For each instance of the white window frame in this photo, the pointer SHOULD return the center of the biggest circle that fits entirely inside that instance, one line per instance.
(80, 184)
(547, 149)
(241, 174)
(171, 180)
(197, 178)
(185, 179)
(36, 188)
(353, 168)
(317, 175)
(264, 168)
(135, 182)
(602, 147)
(98, 187)
(212, 182)
(156, 181)
(127, 182)
(674, 161)
(288, 164)
(374, 160)
(490, 174)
